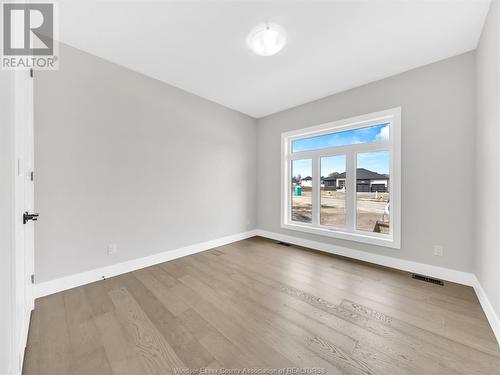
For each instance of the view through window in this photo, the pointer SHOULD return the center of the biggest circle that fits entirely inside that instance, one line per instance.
(333, 191)
(302, 190)
(342, 181)
(372, 192)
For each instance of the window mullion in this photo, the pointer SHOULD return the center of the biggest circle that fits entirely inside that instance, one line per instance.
(316, 191)
(350, 190)
(287, 213)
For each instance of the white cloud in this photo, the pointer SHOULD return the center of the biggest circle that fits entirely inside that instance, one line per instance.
(384, 134)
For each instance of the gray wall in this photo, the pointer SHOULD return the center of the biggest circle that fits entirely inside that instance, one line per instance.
(125, 159)
(6, 210)
(487, 251)
(122, 158)
(438, 133)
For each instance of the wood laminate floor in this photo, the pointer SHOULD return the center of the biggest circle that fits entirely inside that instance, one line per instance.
(258, 305)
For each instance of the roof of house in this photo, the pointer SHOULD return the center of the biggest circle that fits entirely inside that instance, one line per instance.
(361, 174)
(308, 178)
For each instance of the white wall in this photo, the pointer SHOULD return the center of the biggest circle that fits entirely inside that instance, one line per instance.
(6, 223)
(487, 251)
(111, 147)
(438, 139)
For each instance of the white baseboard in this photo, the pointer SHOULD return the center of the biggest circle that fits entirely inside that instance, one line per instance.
(442, 273)
(72, 281)
(490, 313)
(460, 277)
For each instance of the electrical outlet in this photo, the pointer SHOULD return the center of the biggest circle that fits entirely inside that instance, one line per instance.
(112, 248)
(438, 250)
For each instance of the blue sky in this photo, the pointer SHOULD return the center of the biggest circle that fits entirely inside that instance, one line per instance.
(302, 167)
(374, 161)
(348, 137)
(331, 164)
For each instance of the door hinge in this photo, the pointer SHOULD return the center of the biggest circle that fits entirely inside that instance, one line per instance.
(32, 175)
(31, 73)
(32, 279)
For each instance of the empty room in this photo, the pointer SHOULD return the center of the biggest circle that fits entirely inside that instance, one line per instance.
(250, 187)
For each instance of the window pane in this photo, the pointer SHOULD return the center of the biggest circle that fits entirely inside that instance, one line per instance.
(348, 137)
(301, 185)
(372, 191)
(333, 195)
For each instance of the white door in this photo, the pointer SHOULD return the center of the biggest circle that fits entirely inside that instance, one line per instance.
(24, 202)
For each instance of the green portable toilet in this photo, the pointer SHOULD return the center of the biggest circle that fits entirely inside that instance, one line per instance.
(298, 190)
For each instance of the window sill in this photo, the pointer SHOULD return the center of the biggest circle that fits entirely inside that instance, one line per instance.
(372, 238)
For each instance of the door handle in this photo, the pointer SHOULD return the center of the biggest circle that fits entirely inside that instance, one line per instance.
(27, 217)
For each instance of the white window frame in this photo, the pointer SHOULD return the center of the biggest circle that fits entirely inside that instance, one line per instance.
(390, 116)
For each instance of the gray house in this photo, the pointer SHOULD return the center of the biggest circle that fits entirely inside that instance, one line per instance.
(367, 181)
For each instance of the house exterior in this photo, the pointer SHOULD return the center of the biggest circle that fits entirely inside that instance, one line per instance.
(367, 181)
(307, 181)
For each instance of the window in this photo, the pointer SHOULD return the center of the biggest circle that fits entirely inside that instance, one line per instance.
(341, 138)
(372, 192)
(332, 207)
(301, 194)
(342, 179)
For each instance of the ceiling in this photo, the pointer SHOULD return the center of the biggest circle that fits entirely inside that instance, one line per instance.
(332, 45)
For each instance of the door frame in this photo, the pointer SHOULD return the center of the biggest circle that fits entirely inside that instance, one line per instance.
(23, 200)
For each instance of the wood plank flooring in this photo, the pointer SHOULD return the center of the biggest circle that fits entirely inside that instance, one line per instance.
(258, 305)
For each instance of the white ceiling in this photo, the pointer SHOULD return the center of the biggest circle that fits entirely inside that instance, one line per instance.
(333, 45)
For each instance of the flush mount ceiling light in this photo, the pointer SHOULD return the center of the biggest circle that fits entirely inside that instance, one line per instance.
(266, 40)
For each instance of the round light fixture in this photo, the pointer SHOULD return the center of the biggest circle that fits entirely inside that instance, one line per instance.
(266, 40)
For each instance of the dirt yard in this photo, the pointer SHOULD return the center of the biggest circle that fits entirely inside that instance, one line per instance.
(370, 209)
